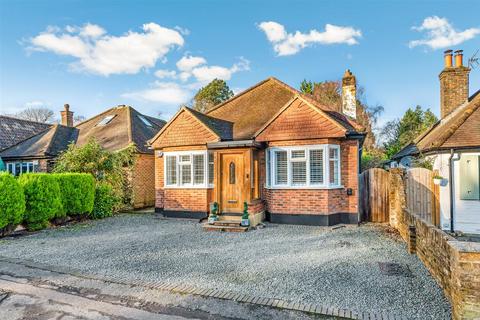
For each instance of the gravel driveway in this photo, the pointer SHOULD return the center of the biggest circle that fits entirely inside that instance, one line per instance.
(342, 267)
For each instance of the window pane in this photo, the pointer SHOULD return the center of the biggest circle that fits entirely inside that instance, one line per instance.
(185, 158)
(186, 174)
(298, 154)
(299, 172)
(316, 166)
(281, 169)
(210, 168)
(18, 168)
(171, 170)
(198, 169)
(333, 166)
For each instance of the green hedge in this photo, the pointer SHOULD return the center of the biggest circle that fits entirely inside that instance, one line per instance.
(12, 203)
(42, 199)
(105, 200)
(77, 192)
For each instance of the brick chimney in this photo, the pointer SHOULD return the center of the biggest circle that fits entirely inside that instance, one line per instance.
(453, 83)
(349, 95)
(67, 116)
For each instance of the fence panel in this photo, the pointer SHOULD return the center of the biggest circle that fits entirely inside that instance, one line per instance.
(422, 195)
(374, 195)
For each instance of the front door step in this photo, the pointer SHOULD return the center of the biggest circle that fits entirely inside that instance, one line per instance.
(227, 223)
(231, 226)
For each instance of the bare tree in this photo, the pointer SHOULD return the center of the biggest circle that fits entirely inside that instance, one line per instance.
(43, 115)
(78, 118)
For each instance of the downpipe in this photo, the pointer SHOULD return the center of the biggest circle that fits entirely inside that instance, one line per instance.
(451, 177)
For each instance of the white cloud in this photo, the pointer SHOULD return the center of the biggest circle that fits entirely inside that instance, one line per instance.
(92, 30)
(441, 34)
(173, 93)
(285, 44)
(169, 93)
(206, 74)
(99, 53)
(187, 63)
(172, 74)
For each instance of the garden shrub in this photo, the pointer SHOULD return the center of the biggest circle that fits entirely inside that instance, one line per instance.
(105, 201)
(42, 199)
(77, 192)
(12, 203)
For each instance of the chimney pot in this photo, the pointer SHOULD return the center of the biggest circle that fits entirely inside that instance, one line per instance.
(459, 58)
(448, 58)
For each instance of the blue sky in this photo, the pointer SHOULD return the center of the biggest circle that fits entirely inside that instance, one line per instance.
(154, 55)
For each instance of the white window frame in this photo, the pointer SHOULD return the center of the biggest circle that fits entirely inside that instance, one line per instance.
(271, 166)
(191, 185)
(32, 166)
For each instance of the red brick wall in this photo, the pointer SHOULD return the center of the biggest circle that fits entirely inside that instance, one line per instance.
(317, 201)
(179, 199)
(186, 200)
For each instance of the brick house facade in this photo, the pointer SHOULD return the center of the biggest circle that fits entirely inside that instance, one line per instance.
(288, 158)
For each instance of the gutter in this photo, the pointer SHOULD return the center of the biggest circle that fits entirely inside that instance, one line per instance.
(451, 177)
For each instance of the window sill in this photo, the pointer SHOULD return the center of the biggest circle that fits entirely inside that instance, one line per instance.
(188, 187)
(304, 187)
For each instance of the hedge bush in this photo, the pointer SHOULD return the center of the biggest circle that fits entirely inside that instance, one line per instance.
(77, 192)
(42, 199)
(105, 200)
(12, 203)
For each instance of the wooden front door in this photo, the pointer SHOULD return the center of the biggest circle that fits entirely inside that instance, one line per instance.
(232, 182)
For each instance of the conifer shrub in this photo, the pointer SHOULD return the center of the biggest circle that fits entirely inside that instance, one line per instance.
(77, 193)
(43, 201)
(12, 203)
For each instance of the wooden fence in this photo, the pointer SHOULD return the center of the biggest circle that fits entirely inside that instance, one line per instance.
(422, 195)
(374, 195)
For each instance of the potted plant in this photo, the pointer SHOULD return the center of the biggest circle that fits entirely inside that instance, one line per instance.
(245, 220)
(213, 213)
(437, 179)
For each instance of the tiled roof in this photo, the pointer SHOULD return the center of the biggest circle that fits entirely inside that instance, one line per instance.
(221, 127)
(124, 128)
(252, 108)
(460, 129)
(13, 130)
(48, 143)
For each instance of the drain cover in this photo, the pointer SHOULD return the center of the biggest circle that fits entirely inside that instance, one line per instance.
(394, 269)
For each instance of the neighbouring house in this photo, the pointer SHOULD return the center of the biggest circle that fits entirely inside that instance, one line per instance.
(114, 129)
(453, 145)
(13, 130)
(289, 158)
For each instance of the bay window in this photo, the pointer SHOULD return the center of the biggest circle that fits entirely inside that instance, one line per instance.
(314, 166)
(192, 169)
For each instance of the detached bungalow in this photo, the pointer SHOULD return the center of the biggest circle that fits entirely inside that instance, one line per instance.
(289, 158)
(453, 144)
(114, 130)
